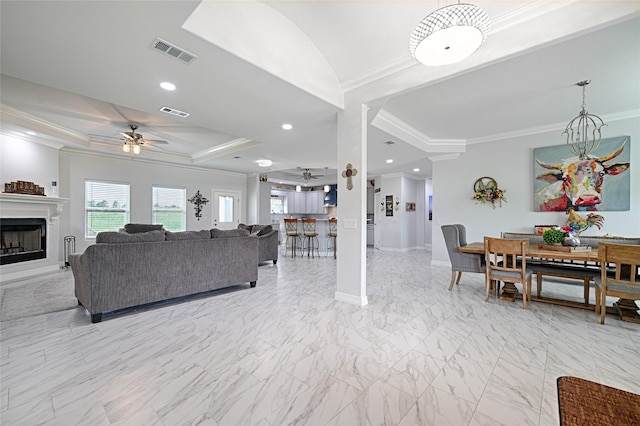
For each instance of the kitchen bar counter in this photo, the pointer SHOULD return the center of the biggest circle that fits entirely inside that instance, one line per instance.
(322, 228)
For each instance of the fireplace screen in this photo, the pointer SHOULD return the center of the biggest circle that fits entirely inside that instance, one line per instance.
(22, 240)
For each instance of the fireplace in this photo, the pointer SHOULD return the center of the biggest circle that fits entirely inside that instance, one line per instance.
(22, 239)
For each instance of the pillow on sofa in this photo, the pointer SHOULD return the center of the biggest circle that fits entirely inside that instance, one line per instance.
(135, 228)
(243, 226)
(120, 237)
(228, 233)
(187, 235)
(264, 230)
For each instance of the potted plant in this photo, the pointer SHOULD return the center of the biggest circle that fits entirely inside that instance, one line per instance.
(553, 236)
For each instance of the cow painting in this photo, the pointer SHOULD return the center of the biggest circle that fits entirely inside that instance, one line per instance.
(578, 184)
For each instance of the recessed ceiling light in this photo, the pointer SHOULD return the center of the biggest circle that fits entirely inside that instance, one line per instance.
(31, 132)
(287, 126)
(168, 86)
(389, 161)
(264, 163)
(235, 157)
(416, 169)
(390, 142)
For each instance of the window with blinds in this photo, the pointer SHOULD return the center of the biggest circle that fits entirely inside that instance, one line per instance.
(169, 208)
(106, 206)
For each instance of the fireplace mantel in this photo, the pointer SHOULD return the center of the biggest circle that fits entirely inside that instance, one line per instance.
(33, 206)
(13, 201)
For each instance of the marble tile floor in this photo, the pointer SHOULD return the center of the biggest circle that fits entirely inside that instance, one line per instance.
(286, 352)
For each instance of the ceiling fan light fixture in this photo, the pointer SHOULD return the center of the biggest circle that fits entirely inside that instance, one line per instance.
(126, 148)
(136, 149)
(450, 34)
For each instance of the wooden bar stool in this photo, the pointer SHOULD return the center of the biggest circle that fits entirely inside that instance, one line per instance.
(293, 235)
(332, 235)
(310, 233)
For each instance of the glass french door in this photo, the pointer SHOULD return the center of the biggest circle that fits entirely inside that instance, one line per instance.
(226, 209)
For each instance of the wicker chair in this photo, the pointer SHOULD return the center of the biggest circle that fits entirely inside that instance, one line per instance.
(454, 237)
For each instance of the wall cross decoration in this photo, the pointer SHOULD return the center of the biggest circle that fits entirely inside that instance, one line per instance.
(199, 201)
(348, 173)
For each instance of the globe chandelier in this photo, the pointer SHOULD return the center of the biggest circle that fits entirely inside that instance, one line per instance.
(585, 137)
(450, 34)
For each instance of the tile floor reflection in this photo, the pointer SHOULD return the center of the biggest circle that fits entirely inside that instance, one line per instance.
(287, 353)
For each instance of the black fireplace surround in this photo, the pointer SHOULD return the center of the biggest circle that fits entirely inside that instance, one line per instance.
(22, 239)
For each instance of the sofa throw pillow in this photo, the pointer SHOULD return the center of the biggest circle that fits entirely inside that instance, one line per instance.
(119, 237)
(134, 228)
(265, 230)
(243, 226)
(228, 233)
(187, 235)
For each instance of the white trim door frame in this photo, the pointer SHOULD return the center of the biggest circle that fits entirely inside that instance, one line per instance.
(225, 212)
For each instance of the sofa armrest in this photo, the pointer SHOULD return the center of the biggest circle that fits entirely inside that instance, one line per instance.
(268, 246)
(81, 269)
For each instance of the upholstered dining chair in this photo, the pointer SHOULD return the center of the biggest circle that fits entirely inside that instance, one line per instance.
(506, 260)
(455, 236)
(620, 274)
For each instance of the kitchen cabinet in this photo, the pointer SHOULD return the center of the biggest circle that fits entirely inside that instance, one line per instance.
(315, 202)
(307, 202)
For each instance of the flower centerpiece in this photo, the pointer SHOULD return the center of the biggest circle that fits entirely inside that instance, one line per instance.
(561, 235)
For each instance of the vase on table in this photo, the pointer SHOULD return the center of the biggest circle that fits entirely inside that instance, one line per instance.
(571, 240)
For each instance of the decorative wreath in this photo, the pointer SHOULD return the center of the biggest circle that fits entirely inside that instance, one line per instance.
(486, 191)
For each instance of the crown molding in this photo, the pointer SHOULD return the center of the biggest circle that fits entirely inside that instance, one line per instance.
(223, 149)
(391, 124)
(557, 127)
(145, 160)
(444, 157)
(21, 119)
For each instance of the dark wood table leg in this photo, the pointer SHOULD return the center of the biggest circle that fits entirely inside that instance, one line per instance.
(628, 310)
(509, 292)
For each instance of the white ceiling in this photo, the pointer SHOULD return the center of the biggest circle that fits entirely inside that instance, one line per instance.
(72, 70)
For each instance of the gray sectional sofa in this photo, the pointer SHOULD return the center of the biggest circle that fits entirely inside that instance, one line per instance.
(267, 241)
(124, 270)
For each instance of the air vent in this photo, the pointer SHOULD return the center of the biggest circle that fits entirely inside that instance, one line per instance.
(174, 111)
(173, 50)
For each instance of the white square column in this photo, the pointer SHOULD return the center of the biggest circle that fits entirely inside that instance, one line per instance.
(352, 218)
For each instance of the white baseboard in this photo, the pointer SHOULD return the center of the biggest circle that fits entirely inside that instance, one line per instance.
(350, 298)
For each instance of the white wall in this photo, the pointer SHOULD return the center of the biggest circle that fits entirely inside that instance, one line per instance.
(28, 161)
(428, 229)
(76, 167)
(510, 163)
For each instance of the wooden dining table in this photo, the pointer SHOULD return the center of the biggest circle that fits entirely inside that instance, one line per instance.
(542, 254)
(625, 308)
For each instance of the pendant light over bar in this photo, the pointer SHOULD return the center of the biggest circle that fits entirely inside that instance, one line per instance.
(450, 34)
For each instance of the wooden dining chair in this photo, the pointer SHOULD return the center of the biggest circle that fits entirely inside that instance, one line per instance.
(506, 260)
(620, 274)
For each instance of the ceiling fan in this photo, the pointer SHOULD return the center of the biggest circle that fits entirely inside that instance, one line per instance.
(307, 175)
(133, 140)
